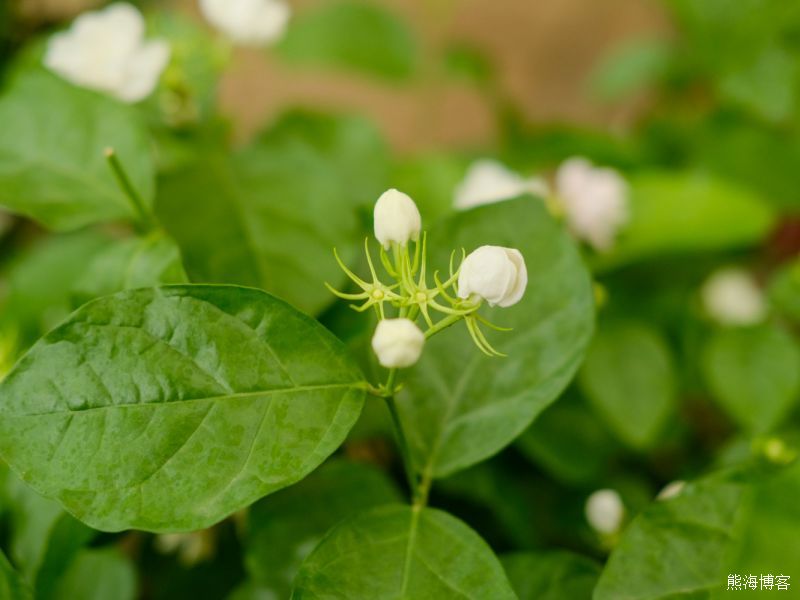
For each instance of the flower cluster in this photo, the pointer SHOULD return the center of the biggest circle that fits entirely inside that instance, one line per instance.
(490, 274)
(593, 200)
(106, 50)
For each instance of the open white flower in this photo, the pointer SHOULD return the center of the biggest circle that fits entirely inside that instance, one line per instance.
(496, 274)
(595, 201)
(488, 181)
(248, 22)
(397, 219)
(732, 297)
(105, 50)
(397, 343)
(605, 511)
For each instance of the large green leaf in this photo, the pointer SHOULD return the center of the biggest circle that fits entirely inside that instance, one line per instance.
(629, 379)
(735, 522)
(270, 216)
(52, 166)
(401, 553)
(129, 264)
(675, 547)
(11, 585)
(352, 35)
(687, 212)
(754, 374)
(285, 527)
(99, 575)
(169, 408)
(554, 575)
(569, 442)
(459, 406)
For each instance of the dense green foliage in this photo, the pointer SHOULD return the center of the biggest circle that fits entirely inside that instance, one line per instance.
(186, 411)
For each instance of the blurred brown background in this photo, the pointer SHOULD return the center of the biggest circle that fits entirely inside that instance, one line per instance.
(542, 50)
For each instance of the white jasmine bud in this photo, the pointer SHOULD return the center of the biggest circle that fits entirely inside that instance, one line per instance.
(732, 297)
(248, 22)
(595, 201)
(605, 511)
(397, 219)
(398, 343)
(105, 51)
(496, 274)
(488, 181)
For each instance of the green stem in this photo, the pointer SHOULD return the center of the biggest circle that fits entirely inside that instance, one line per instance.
(402, 442)
(423, 489)
(443, 324)
(145, 219)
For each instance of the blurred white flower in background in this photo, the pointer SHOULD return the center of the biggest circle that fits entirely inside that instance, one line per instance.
(192, 548)
(248, 22)
(605, 511)
(398, 343)
(488, 181)
(496, 274)
(732, 297)
(671, 490)
(105, 50)
(594, 200)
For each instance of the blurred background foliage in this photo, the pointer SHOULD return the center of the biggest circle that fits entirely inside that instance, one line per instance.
(696, 102)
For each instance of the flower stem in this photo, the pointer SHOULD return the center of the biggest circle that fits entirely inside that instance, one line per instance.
(144, 217)
(443, 324)
(402, 442)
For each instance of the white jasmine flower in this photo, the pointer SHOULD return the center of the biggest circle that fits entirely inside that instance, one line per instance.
(595, 201)
(396, 218)
(671, 490)
(488, 181)
(397, 343)
(496, 274)
(248, 22)
(105, 50)
(732, 297)
(605, 511)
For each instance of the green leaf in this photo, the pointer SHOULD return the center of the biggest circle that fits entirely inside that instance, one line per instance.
(687, 212)
(784, 290)
(430, 180)
(40, 280)
(351, 145)
(44, 539)
(52, 165)
(130, 264)
(675, 547)
(112, 412)
(398, 552)
(554, 575)
(581, 457)
(739, 522)
(631, 67)
(629, 379)
(99, 575)
(11, 585)
(767, 543)
(354, 36)
(459, 406)
(285, 527)
(271, 216)
(754, 374)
